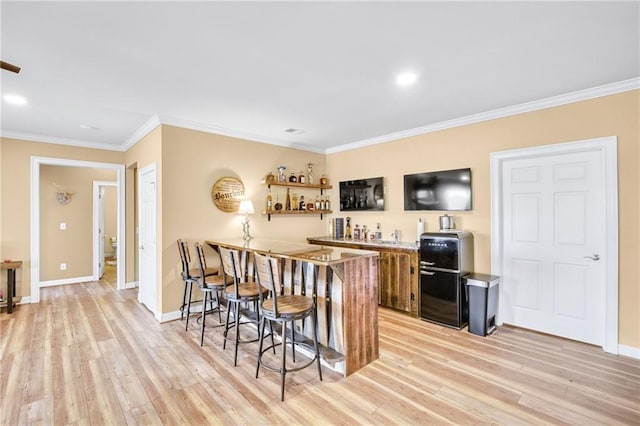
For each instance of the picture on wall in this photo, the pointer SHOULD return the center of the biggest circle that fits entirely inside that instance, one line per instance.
(362, 194)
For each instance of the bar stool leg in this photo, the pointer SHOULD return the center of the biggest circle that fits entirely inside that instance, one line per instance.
(283, 370)
(237, 340)
(226, 325)
(188, 305)
(261, 328)
(204, 315)
(315, 340)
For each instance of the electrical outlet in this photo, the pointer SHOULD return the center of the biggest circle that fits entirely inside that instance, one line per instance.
(63, 266)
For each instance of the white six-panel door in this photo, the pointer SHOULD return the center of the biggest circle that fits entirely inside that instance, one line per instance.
(554, 237)
(148, 286)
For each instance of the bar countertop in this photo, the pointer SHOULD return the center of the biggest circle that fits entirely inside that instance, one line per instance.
(321, 255)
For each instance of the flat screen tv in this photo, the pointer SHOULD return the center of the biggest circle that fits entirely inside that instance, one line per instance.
(447, 190)
(362, 194)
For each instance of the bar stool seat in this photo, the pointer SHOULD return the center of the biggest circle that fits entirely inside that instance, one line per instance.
(283, 309)
(243, 290)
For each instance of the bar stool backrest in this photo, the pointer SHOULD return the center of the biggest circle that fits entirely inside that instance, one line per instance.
(232, 266)
(202, 263)
(184, 258)
(268, 274)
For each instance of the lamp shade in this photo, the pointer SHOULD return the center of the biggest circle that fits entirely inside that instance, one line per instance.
(246, 207)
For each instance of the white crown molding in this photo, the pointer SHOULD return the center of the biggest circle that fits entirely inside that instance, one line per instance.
(581, 95)
(140, 133)
(29, 137)
(218, 130)
(155, 121)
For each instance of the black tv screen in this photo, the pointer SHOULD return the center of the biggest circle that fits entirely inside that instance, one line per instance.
(444, 190)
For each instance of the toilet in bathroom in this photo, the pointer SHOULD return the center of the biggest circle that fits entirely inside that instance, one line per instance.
(114, 244)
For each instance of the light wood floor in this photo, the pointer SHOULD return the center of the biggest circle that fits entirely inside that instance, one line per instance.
(88, 354)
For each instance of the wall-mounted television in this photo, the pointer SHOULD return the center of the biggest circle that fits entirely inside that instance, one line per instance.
(362, 194)
(446, 190)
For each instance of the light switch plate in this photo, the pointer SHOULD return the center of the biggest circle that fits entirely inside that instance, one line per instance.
(63, 226)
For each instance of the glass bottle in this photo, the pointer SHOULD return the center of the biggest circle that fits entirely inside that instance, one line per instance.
(303, 206)
(301, 177)
(318, 202)
(310, 173)
(293, 178)
(347, 228)
(270, 177)
(324, 180)
(356, 232)
(327, 204)
(281, 176)
(269, 200)
(287, 204)
(378, 235)
(294, 201)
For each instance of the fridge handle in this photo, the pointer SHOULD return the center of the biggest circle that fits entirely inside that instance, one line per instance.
(427, 273)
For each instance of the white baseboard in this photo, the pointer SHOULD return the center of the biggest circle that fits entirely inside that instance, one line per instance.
(170, 316)
(76, 280)
(132, 284)
(25, 300)
(629, 351)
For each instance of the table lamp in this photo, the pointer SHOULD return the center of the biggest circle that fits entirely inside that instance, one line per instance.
(246, 208)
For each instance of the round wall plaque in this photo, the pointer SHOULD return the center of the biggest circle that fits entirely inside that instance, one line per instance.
(227, 193)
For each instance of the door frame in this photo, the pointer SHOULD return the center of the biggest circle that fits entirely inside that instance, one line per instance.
(97, 185)
(608, 147)
(36, 162)
(142, 171)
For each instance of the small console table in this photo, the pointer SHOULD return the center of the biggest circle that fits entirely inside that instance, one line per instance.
(11, 283)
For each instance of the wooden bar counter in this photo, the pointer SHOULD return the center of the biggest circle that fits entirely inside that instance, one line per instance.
(346, 284)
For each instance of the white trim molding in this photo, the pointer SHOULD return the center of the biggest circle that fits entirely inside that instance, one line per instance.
(553, 101)
(606, 145)
(155, 121)
(65, 281)
(34, 213)
(629, 351)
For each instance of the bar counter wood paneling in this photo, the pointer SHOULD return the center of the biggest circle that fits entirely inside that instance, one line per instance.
(346, 284)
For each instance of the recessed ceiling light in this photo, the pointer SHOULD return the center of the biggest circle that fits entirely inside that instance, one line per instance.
(15, 99)
(406, 79)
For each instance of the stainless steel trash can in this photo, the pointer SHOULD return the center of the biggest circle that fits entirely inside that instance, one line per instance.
(482, 291)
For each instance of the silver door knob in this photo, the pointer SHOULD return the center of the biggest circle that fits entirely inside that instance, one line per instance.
(594, 257)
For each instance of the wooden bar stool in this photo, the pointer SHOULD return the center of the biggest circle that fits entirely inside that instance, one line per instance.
(283, 309)
(243, 290)
(211, 286)
(189, 276)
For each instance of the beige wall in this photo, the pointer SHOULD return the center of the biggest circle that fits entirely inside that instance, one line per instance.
(189, 162)
(15, 194)
(470, 146)
(110, 216)
(73, 246)
(192, 162)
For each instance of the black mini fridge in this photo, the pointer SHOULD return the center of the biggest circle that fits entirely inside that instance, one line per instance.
(445, 258)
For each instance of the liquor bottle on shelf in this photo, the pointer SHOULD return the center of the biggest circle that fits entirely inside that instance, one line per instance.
(302, 206)
(347, 228)
(294, 201)
(293, 178)
(301, 177)
(287, 204)
(281, 176)
(356, 232)
(364, 234)
(378, 234)
(317, 207)
(327, 204)
(269, 200)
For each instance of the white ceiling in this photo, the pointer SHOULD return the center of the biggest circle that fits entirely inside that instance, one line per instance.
(254, 69)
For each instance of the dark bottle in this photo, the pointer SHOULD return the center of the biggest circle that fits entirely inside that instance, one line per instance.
(293, 178)
(287, 205)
